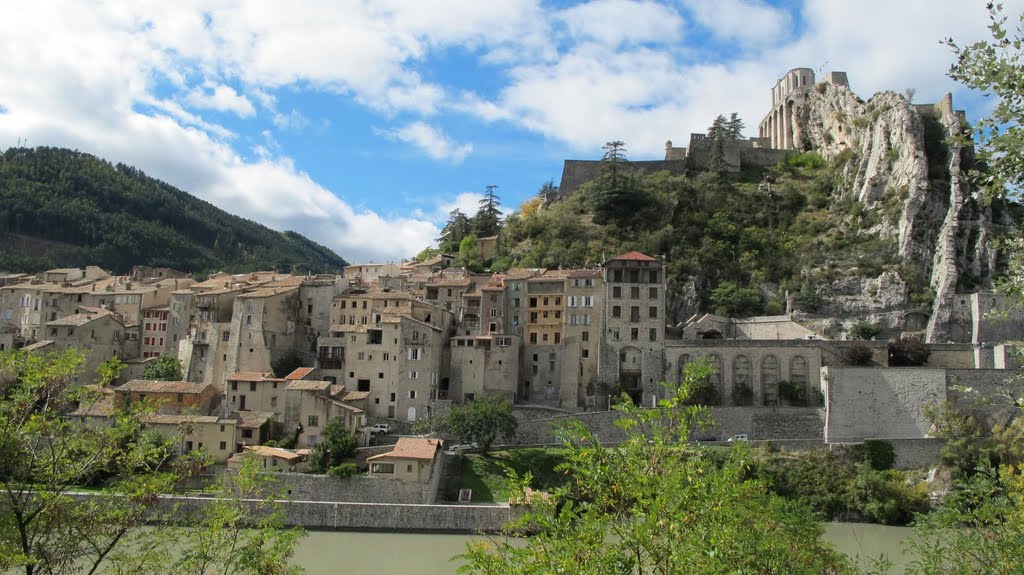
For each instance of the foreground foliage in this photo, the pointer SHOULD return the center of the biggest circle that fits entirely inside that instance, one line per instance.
(645, 506)
(48, 527)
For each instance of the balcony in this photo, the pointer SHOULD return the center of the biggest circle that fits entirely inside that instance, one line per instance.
(330, 362)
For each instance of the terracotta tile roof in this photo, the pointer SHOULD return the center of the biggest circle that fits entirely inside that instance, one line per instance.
(304, 385)
(497, 282)
(522, 273)
(268, 292)
(251, 419)
(102, 407)
(356, 396)
(169, 419)
(37, 345)
(635, 256)
(251, 376)
(274, 452)
(299, 373)
(585, 273)
(157, 386)
(80, 319)
(411, 448)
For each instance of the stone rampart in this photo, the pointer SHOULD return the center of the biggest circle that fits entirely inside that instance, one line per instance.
(863, 402)
(916, 453)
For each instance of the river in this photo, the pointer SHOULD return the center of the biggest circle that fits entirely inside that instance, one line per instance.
(331, 552)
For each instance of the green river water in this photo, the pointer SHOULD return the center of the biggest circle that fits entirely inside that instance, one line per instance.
(331, 552)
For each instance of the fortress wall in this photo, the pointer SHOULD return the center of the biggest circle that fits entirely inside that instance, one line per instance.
(865, 402)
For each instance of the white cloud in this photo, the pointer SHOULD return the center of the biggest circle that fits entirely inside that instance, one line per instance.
(222, 98)
(293, 120)
(615, 22)
(431, 141)
(747, 21)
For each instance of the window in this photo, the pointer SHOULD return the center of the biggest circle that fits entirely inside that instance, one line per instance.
(585, 336)
(313, 421)
(634, 313)
(412, 394)
(558, 337)
(248, 319)
(252, 386)
(585, 353)
(634, 292)
(653, 276)
(617, 291)
(504, 341)
(515, 302)
(653, 335)
(653, 293)
(572, 300)
(181, 397)
(234, 386)
(544, 337)
(392, 397)
(616, 311)
(617, 275)
(588, 301)
(361, 355)
(414, 375)
(545, 301)
(494, 312)
(634, 334)
(380, 375)
(414, 353)
(652, 312)
(225, 336)
(247, 433)
(533, 338)
(615, 335)
(533, 302)
(223, 445)
(533, 317)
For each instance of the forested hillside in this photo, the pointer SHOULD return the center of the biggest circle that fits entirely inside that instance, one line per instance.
(62, 208)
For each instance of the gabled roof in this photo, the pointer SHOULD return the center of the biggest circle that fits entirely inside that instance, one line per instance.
(274, 452)
(251, 376)
(303, 385)
(299, 373)
(634, 256)
(251, 419)
(158, 386)
(411, 448)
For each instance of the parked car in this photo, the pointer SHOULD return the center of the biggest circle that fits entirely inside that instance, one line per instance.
(739, 437)
(459, 448)
(380, 428)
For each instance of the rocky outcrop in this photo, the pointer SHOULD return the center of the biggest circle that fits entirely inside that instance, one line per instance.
(901, 161)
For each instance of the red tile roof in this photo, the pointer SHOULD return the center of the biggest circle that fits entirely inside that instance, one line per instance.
(636, 256)
(411, 448)
(299, 373)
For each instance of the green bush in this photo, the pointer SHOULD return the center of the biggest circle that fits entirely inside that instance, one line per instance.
(879, 454)
(885, 496)
(343, 471)
(865, 330)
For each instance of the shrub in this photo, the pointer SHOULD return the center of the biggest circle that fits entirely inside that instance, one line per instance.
(343, 471)
(885, 496)
(742, 394)
(859, 354)
(879, 454)
(908, 352)
(865, 330)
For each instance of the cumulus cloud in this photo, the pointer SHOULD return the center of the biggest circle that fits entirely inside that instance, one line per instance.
(221, 98)
(745, 21)
(615, 22)
(431, 141)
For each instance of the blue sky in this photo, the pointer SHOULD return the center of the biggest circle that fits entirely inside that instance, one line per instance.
(362, 124)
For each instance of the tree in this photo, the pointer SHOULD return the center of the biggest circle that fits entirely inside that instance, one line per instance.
(45, 455)
(110, 370)
(995, 67)
(487, 221)
(734, 127)
(458, 227)
(469, 254)
(165, 367)
(865, 330)
(652, 505)
(481, 421)
(337, 443)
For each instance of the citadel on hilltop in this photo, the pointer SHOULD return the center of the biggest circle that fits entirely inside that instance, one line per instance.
(266, 354)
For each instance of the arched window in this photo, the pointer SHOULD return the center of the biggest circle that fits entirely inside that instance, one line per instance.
(798, 371)
(770, 379)
(716, 370)
(683, 360)
(741, 371)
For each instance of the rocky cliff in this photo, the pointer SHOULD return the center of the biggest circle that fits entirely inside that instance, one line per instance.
(904, 163)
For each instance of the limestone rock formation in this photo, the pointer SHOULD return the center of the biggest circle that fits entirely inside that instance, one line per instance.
(901, 160)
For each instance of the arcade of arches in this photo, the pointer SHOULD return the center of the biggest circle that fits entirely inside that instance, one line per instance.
(760, 376)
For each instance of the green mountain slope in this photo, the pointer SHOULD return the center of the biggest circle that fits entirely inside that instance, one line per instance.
(63, 208)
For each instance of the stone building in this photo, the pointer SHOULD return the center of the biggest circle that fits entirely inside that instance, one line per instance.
(255, 391)
(170, 396)
(98, 333)
(412, 460)
(777, 125)
(633, 340)
(584, 298)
